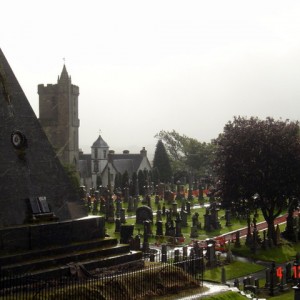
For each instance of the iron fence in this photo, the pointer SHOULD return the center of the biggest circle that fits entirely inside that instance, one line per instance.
(154, 279)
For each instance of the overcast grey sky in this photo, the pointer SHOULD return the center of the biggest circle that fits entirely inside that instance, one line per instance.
(146, 66)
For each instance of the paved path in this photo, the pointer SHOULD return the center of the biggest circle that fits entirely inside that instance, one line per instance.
(229, 236)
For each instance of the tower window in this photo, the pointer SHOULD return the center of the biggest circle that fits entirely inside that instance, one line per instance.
(104, 153)
(96, 153)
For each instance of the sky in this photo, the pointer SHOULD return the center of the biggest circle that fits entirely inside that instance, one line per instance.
(146, 66)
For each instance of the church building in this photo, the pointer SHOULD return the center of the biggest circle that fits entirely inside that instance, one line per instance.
(106, 164)
(58, 115)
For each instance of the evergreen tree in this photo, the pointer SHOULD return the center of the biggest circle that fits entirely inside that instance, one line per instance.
(161, 162)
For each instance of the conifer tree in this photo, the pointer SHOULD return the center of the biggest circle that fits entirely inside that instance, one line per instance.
(161, 162)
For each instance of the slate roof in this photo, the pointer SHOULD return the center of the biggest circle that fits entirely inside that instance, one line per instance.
(34, 171)
(100, 143)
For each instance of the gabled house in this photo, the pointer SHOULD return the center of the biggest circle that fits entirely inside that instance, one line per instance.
(119, 163)
(105, 163)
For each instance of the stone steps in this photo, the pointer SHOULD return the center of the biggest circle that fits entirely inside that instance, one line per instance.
(100, 253)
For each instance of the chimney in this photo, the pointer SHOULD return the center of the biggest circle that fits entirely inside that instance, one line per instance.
(143, 152)
(110, 154)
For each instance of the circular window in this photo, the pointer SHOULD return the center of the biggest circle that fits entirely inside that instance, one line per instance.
(18, 140)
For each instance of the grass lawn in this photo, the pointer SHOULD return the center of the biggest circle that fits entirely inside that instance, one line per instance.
(283, 253)
(234, 270)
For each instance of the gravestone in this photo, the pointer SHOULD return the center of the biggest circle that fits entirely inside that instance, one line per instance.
(126, 233)
(159, 228)
(144, 213)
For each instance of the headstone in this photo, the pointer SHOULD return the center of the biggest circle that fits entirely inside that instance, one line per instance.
(126, 233)
(194, 232)
(117, 225)
(237, 239)
(144, 213)
(159, 228)
(164, 253)
(122, 216)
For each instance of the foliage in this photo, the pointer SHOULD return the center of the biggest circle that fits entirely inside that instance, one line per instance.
(258, 162)
(161, 163)
(234, 270)
(142, 182)
(73, 175)
(118, 181)
(187, 153)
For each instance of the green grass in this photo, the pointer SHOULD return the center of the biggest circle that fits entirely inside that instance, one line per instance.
(234, 270)
(283, 253)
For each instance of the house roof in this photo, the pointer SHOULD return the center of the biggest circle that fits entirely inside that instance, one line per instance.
(100, 143)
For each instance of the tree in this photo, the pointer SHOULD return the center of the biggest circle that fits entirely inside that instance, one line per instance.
(187, 153)
(258, 162)
(161, 163)
(73, 175)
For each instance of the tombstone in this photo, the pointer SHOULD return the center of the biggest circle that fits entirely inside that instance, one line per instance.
(164, 210)
(195, 220)
(147, 228)
(228, 217)
(237, 243)
(126, 232)
(135, 203)
(130, 207)
(184, 217)
(188, 207)
(184, 252)
(174, 208)
(122, 216)
(194, 232)
(211, 253)
(268, 278)
(146, 247)
(164, 253)
(102, 205)
(178, 226)
(117, 225)
(283, 283)
(170, 229)
(109, 209)
(236, 283)
(158, 216)
(207, 221)
(159, 228)
(137, 243)
(118, 206)
(144, 213)
(176, 256)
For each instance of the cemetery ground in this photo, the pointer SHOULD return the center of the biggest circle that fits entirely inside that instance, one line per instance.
(255, 263)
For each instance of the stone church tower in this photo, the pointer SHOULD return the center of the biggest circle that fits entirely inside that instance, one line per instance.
(58, 115)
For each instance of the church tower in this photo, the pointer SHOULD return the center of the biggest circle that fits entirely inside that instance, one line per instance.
(58, 115)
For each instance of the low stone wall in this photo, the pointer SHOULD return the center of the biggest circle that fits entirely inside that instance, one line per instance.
(39, 236)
